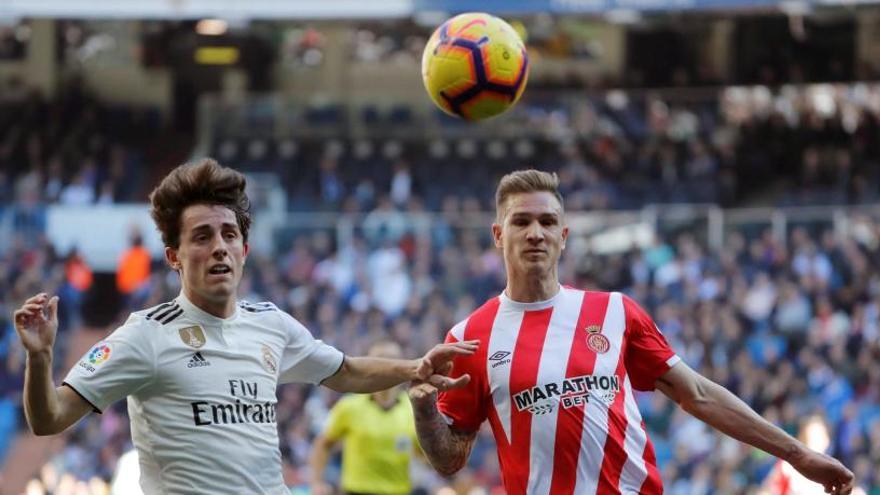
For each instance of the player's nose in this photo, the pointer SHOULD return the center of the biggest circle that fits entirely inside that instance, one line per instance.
(535, 233)
(219, 249)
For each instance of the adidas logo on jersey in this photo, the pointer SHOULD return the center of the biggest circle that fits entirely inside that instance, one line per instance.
(197, 361)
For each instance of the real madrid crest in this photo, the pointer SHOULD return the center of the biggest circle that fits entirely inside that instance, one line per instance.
(193, 336)
(268, 360)
(596, 341)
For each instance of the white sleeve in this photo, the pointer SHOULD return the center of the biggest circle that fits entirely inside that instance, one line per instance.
(306, 359)
(115, 367)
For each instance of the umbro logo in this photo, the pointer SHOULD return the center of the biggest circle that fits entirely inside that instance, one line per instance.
(197, 361)
(500, 358)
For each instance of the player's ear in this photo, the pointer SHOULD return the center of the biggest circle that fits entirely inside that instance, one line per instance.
(564, 236)
(496, 234)
(172, 259)
(247, 249)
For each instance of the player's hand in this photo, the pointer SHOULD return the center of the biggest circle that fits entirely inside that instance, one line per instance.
(433, 370)
(825, 470)
(36, 323)
(422, 394)
(434, 366)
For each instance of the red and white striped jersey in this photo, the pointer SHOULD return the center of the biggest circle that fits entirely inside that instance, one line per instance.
(555, 379)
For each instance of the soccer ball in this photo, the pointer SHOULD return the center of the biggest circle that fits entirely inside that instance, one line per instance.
(475, 66)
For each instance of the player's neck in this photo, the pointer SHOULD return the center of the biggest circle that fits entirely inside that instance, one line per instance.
(529, 288)
(221, 309)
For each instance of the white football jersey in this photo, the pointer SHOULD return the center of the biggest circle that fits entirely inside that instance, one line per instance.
(201, 392)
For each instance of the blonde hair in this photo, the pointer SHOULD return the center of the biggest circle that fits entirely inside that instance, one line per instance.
(525, 181)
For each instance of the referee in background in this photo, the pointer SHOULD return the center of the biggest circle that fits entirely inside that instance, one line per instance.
(378, 437)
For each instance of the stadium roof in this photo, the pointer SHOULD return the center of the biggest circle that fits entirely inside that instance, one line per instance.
(195, 9)
(374, 9)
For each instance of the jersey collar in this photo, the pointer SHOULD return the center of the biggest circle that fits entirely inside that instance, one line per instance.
(201, 315)
(530, 306)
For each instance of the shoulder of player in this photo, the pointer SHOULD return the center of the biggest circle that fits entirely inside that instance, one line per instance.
(483, 313)
(602, 295)
(254, 308)
(589, 293)
(160, 314)
(265, 314)
(615, 300)
(630, 307)
(478, 322)
(137, 331)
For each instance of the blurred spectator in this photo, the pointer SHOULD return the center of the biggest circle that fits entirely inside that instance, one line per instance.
(331, 186)
(81, 190)
(401, 184)
(78, 279)
(133, 272)
(11, 383)
(78, 275)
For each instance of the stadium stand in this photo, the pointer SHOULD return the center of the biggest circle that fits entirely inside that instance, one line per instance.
(789, 323)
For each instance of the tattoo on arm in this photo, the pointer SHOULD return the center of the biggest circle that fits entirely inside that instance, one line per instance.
(446, 448)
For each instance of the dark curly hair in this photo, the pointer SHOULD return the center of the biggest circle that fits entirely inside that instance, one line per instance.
(203, 182)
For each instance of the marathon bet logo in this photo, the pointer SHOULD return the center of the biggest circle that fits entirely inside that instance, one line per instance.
(571, 392)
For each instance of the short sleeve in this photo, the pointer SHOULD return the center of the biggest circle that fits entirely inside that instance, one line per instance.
(115, 367)
(648, 355)
(339, 419)
(306, 359)
(465, 408)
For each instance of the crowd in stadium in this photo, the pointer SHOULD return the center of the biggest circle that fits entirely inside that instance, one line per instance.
(791, 326)
(72, 149)
(615, 150)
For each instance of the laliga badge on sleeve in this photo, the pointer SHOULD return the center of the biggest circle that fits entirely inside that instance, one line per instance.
(98, 355)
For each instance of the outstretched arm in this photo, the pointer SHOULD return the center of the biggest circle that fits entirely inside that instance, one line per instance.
(49, 409)
(446, 449)
(372, 374)
(719, 408)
